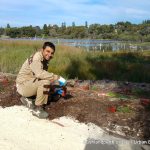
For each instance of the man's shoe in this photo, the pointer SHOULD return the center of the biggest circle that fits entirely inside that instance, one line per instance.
(27, 102)
(39, 112)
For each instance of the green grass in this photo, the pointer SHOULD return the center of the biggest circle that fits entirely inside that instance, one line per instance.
(94, 88)
(117, 95)
(72, 62)
(124, 109)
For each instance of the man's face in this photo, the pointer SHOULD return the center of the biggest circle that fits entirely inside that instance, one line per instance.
(48, 53)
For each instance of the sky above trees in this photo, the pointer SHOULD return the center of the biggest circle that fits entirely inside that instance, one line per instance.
(39, 12)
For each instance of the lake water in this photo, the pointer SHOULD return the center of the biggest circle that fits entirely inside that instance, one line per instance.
(95, 45)
(102, 45)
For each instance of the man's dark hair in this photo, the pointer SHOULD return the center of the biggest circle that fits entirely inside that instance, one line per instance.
(49, 44)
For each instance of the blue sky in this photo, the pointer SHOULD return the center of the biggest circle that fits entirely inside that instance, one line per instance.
(39, 12)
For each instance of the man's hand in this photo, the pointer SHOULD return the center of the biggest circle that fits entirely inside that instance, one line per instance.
(60, 80)
(56, 77)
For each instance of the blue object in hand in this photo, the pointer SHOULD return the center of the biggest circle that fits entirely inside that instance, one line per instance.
(62, 81)
(58, 91)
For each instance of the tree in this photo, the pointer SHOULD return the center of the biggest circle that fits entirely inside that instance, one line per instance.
(45, 30)
(73, 24)
(1, 31)
(145, 31)
(13, 32)
(8, 26)
(53, 30)
(28, 31)
(86, 24)
(146, 22)
(63, 25)
(38, 30)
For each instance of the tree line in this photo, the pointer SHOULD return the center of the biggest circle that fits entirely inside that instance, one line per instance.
(119, 31)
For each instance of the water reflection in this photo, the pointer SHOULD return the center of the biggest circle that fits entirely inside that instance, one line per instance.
(94, 44)
(107, 46)
(102, 45)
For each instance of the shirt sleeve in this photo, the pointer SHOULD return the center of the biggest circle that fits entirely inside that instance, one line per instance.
(37, 69)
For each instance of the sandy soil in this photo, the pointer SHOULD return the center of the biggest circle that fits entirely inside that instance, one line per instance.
(20, 130)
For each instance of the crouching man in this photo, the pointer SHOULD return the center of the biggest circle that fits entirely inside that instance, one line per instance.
(32, 77)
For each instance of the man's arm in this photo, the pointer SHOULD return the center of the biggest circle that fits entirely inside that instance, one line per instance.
(36, 67)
